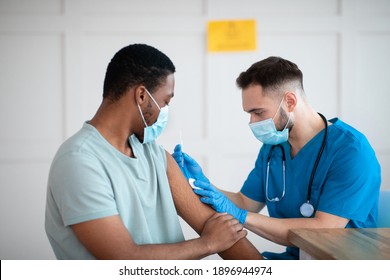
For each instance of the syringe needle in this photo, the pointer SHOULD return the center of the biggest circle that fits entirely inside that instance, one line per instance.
(181, 144)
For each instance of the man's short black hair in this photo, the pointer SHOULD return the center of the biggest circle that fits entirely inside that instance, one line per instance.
(136, 64)
(271, 73)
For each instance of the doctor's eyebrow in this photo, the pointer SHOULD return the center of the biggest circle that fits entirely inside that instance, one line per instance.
(255, 110)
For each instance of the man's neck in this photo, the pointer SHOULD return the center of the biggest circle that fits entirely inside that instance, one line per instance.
(113, 123)
(306, 126)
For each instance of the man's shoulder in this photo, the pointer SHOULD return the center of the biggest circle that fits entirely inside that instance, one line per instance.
(343, 130)
(350, 143)
(78, 145)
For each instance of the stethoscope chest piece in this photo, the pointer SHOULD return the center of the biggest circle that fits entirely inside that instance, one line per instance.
(306, 209)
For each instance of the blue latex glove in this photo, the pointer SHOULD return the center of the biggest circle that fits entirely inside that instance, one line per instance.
(189, 167)
(210, 195)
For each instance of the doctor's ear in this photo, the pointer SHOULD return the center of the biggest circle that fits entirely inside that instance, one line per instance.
(291, 100)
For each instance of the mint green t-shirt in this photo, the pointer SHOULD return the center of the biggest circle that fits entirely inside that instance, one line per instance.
(90, 179)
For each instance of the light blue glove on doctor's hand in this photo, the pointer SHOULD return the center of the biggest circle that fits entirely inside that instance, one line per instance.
(189, 167)
(210, 195)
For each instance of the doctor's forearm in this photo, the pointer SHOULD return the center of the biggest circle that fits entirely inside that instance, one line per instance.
(276, 229)
(233, 197)
(243, 202)
(268, 228)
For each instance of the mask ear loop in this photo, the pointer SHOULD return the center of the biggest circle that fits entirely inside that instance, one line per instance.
(155, 102)
(280, 104)
(142, 115)
(289, 115)
(288, 121)
(139, 107)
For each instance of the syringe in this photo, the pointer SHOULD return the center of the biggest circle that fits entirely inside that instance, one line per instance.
(190, 180)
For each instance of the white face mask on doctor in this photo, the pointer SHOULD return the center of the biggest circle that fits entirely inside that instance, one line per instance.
(152, 132)
(265, 131)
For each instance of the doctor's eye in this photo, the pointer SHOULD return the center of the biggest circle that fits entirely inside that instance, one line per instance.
(258, 113)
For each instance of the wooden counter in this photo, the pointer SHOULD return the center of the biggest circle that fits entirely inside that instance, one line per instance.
(342, 244)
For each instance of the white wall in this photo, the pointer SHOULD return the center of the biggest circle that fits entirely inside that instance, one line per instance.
(53, 56)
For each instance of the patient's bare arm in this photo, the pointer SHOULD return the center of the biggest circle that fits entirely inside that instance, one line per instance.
(195, 213)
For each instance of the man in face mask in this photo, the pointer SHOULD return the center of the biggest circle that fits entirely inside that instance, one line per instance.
(310, 172)
(113, 193)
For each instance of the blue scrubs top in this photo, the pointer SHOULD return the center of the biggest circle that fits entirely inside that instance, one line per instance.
(346, 183)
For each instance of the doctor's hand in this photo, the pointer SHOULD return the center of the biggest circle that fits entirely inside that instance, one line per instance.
(189, 167)
(210, 195)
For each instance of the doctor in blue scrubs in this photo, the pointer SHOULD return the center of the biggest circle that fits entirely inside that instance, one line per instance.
(311, 172)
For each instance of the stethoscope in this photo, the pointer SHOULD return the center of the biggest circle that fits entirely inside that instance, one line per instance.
(306, 208)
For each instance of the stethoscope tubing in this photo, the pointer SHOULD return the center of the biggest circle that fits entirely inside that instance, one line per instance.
(307, 208)
(276, 199)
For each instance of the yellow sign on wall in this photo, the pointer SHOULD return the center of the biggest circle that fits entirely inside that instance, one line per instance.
(231, 35)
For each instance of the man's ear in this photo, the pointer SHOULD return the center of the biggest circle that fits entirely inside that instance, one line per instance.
(140, 94)
(291, 99)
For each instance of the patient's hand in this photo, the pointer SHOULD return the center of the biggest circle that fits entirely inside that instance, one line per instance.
(221, 232)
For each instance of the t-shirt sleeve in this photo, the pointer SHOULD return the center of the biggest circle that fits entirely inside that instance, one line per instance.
(352, 183)
(162, 153)
(81, 188)
(253, 185)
